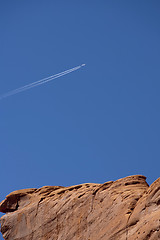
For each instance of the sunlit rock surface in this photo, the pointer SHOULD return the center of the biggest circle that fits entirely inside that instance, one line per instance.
(127, 209)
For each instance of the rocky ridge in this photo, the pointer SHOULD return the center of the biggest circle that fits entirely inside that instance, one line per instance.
(126, 209)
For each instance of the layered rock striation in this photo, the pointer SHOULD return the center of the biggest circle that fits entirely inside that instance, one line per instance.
(127, 209)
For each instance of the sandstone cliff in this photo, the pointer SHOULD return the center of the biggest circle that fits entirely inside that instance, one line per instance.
(127, 209)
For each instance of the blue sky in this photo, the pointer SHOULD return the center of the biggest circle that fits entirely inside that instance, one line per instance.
(97, 124)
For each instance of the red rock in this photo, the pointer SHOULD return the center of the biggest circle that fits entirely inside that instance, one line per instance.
(127, 209)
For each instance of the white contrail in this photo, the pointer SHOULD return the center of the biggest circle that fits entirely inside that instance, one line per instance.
(34, 84)
(39, 82)
(44, 80)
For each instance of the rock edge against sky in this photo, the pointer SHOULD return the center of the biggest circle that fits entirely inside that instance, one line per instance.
(125, 209)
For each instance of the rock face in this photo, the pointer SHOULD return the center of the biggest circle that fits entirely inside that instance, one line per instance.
(127, 209)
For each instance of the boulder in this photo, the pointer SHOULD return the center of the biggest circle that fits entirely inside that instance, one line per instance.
(126, 209)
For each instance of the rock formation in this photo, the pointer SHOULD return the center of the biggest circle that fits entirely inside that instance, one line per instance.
(127, 209)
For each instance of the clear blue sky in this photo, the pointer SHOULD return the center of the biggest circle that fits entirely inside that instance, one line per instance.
(97, 124)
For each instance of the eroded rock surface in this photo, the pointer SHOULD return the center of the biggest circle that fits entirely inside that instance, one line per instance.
(127, 209)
